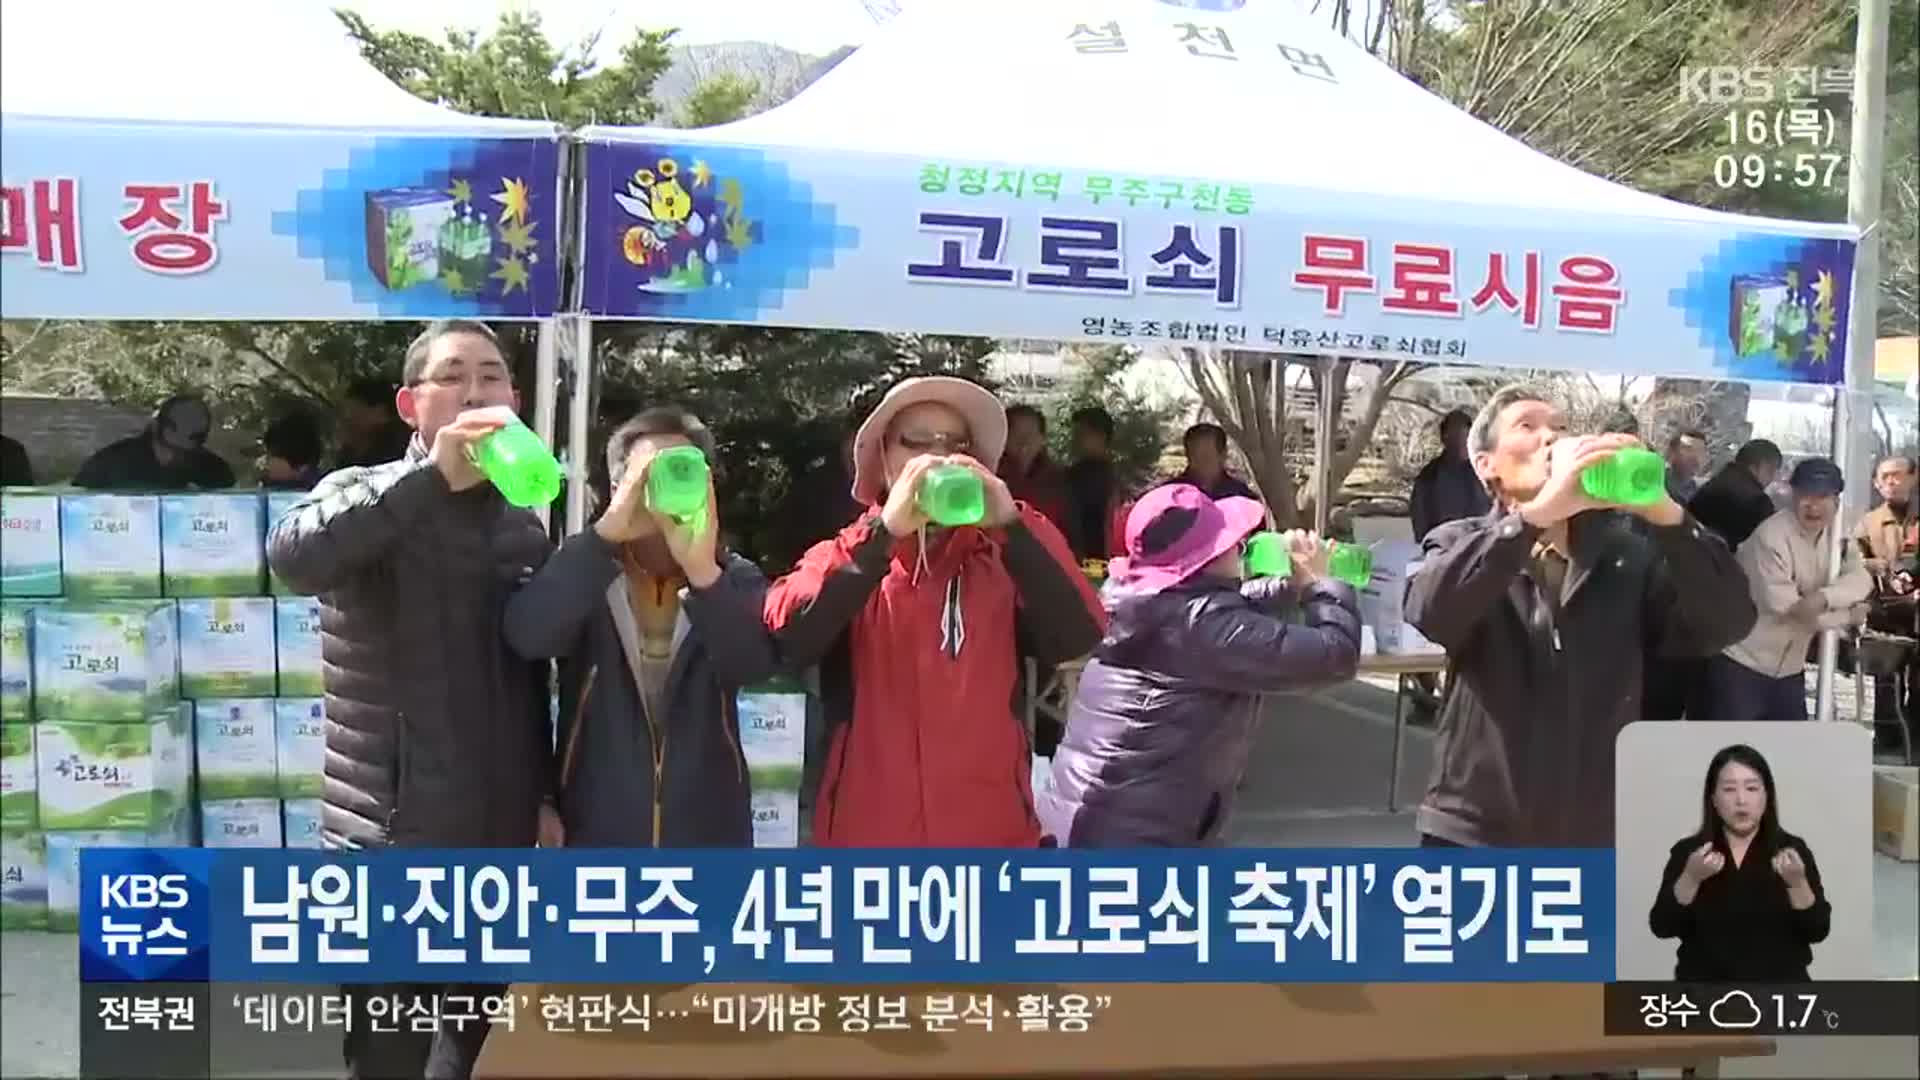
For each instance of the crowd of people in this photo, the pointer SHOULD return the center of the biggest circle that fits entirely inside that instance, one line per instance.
(449, 618)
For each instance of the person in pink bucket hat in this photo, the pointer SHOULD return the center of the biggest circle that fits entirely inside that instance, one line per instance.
(918, 632)
(1159, 733)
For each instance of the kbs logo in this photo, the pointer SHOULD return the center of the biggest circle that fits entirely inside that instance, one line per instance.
(143, 891)
(1726, 85)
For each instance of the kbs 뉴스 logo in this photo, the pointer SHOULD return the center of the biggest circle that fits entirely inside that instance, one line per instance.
(685, 225)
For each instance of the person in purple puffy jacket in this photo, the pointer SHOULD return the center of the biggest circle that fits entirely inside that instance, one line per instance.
(1159, 733)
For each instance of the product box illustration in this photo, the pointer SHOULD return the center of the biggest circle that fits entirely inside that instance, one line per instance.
(23, 881)
(29, 542)
(16, 662)
(210, 544)
(240, 823)
(106, 661)
(403, 234)
(773, 734)
(113, 776)
(300, 822)
(1768, 317)
(19, 790)
(300, 741)
(278, 503)
(63, 861)
(296, 638)
(227, 647)
(110, 546)
(233, 746)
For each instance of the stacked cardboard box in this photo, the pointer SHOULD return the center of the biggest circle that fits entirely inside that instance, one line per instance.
(152, 692)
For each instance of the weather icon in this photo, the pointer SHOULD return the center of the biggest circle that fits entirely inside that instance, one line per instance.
(1735, 1009)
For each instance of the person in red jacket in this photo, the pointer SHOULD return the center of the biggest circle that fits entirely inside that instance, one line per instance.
(918, 633)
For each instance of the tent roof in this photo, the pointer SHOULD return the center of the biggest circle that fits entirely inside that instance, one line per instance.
(1000, 81)
(285, 63)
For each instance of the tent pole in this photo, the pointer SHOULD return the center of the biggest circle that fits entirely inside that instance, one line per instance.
(1323, 448)
(579, 421)
(545, 390)
(1276, 373)
(1853, 407)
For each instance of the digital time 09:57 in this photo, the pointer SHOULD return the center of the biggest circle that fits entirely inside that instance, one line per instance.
(1755, 170)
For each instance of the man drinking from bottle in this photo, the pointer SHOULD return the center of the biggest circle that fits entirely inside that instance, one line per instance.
(919, 627)
(1548, 608)
(657, 628)
(437, 734)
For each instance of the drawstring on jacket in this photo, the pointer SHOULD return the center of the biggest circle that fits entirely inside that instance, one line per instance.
(953, 620)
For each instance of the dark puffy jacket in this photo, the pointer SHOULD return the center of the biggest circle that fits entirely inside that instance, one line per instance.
(629, 780)
(1159, 732)
(437, 735)
(1732, 504)
(1536, 697)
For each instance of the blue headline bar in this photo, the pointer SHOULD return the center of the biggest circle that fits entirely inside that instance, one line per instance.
(1222, 915)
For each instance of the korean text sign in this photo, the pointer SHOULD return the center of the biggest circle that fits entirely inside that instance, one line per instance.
(146, 221)
(695, 232)
(1242, 915)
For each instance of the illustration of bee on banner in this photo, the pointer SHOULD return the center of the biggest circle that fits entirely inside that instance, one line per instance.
(688, 227)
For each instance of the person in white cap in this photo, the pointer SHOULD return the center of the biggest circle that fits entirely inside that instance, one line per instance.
(918, 632)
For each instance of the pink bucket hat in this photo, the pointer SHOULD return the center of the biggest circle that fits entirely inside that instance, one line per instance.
(1174, 531)
(986, 425)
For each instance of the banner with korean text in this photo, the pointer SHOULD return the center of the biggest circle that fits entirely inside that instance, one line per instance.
(842, 239)
(150, 221)
(1241, 915)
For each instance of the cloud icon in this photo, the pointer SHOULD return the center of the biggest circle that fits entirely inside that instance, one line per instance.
(1735, 1009)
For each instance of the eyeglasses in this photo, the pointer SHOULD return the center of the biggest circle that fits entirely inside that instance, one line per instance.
(921, 442)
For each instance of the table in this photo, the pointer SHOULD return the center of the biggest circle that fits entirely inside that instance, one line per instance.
(1402, 666)
(1147, 1030)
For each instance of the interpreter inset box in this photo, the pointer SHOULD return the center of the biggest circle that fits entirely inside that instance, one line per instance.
(1724, 831)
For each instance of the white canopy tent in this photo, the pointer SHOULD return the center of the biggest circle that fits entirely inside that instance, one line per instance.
(1014, 169)
(244, 162)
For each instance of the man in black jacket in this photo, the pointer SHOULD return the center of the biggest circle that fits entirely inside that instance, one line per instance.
(658, 630)
(1548, 608)
(1735, 501)
(437, 734)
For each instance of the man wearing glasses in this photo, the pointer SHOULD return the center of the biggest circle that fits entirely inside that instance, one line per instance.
(437, 734)
(919, 630)
(169, 454)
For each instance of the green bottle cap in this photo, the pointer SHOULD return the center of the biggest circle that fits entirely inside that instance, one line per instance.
(952, 495)
(677, 482)
(517, 463)
(1266, 556)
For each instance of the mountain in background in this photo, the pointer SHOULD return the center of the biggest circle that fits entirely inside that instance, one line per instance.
(779, 72)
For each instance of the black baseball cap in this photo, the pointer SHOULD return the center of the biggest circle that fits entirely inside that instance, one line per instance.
(1817, 476)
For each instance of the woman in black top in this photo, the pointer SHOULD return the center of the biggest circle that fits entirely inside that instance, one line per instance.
(1742, 894)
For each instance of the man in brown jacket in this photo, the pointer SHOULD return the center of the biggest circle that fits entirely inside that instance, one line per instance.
(1889, 540)
(437, 734)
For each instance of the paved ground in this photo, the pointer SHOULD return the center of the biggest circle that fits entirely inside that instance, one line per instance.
(1318, 779)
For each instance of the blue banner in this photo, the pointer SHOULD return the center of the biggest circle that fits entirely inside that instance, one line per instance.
(1237, 915)
(690, 231)
(150, 221)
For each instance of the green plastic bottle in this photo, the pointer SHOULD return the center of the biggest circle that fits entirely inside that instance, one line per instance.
(1350, 563)
(1634, 476)
(1266, 556)
(517, 463)
(952, 495)
(677, 482)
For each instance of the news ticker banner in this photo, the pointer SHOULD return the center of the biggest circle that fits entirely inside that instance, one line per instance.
(849, 917)
(187, 1029)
